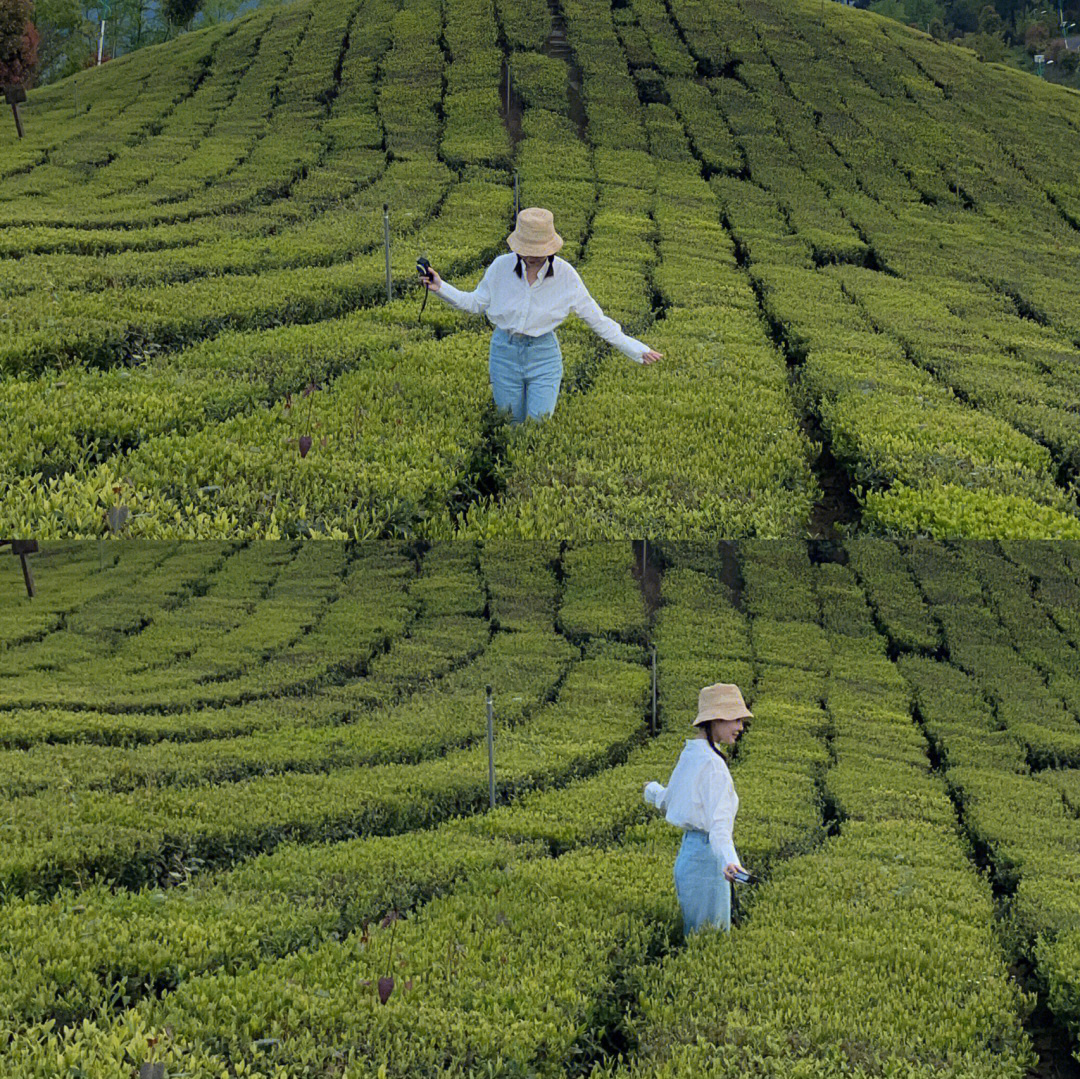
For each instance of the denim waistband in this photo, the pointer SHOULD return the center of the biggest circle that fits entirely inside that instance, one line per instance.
(526, 337)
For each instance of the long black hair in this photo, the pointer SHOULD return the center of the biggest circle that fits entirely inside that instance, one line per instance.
(712, 745)
(550, 269)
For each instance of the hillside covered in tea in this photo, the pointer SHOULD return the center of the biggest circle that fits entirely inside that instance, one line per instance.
(856, 247)
(247, 828)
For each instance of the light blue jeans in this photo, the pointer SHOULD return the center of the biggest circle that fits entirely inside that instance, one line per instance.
(525, 373)
(704, 893)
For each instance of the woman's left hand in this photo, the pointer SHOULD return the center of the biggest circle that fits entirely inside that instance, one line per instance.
(731, 869)
(650, 356)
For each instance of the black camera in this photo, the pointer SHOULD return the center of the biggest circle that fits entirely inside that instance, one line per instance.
(423, 267)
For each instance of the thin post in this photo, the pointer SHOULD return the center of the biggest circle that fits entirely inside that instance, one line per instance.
(28, 577)
(654, 689)
(386, 244)
(101, 43)
(491, 748)
(516, 203)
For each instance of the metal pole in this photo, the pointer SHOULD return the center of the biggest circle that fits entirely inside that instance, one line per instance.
(654, 689)
(386, 244)
(101, 43)
(491, 748)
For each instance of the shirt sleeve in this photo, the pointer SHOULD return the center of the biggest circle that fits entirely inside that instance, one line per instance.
(475, 302)
(656, 795)
(588, 310)
(720, 805)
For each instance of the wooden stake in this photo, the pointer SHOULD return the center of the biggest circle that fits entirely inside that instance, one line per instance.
(386, 244)
(491, 748)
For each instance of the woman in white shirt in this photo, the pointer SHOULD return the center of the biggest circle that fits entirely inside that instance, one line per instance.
(526, 303)
(700, 798)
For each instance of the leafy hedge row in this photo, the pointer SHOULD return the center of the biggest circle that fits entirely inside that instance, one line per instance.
(612, 711)
(129, 838)
(888, 921)
(122, 102)
(992, 721)
(576, 1023)
(322, 613)
(571, 468)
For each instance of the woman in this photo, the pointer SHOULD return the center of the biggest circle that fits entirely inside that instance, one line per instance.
(700, 797)
(525, 303)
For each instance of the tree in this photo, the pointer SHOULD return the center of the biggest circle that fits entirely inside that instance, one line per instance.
(67, 37)
(18, 43)
(179, 13)
(990, 21)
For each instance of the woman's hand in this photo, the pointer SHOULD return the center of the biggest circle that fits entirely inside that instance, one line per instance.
(650, 357)
(433, 280)
(731, 869)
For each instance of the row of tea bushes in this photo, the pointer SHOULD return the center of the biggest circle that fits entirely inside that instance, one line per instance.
(121, 102)
(888, 921)
(601, 596)
(134, 837)
(440, 719)
(991, 722)
(474, 132)
(571, 468)
(322, 615)
(341, 876)
(353, 127)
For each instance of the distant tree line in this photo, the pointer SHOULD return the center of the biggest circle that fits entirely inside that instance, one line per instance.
(1007, 31)
(67, 31)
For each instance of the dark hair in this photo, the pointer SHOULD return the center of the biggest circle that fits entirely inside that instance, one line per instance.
(550, 269)
(708, 734)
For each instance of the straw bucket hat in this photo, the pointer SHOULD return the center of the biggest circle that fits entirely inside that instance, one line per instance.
(721, 701)
(535, 233)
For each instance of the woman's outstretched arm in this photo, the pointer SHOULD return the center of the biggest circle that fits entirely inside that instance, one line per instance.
(588, 310)
(474, 303)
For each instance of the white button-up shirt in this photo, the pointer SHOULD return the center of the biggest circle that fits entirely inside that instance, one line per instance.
(701, 795)
(514, 305)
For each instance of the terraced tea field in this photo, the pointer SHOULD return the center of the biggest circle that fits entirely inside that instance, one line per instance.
(246, 828)
(856, 248)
